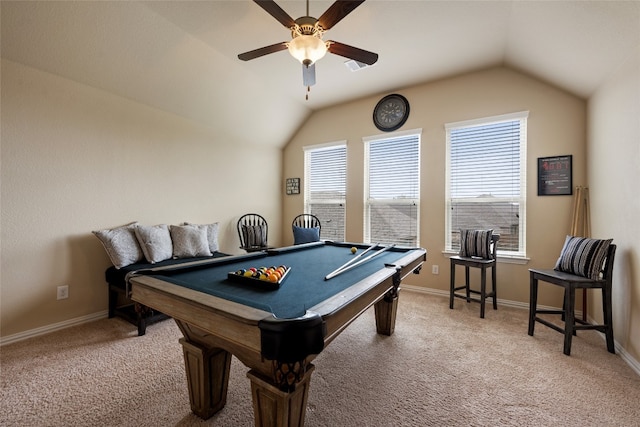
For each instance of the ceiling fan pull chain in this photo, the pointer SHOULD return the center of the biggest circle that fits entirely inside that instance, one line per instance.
(306, 98)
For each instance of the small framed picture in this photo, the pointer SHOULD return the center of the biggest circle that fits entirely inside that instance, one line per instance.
(293, 185)
(555, 176)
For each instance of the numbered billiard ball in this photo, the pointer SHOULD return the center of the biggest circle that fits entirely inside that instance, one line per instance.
(354, 250)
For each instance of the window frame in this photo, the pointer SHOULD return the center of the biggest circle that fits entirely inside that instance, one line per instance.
(521, 254)
(307, 201)
(367, 202)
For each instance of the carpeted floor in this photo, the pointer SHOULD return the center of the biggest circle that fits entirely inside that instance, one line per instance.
(441, 367)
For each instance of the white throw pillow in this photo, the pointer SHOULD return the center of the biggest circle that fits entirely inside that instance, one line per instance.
(121, 244)
(155, 242)
(189, 241)
(212, 235)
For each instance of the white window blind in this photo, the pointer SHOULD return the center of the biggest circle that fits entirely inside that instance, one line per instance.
(325, 187)
(392, 189)
(486, 180)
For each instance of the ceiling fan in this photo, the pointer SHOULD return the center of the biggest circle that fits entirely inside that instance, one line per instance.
(306, 43)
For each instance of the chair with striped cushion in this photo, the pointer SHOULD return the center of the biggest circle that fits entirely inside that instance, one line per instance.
(253, 232)
(477, 250)
(583, 264)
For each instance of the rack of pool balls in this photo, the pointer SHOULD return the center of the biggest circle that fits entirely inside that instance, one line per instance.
(265, 276)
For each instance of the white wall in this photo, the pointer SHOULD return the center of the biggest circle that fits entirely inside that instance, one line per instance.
(614, 176)
(77, 159)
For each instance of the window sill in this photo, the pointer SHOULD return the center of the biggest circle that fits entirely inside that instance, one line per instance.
(506, 259)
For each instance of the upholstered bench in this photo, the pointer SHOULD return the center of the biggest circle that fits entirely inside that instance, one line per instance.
(120, 303)
(135, 248)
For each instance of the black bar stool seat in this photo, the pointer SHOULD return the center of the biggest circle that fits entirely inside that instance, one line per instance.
(571, 282)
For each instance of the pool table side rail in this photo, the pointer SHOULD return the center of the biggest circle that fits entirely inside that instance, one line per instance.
(194, 265)
(338, 314)
(342, 309)
(236, 327)
(234, 323)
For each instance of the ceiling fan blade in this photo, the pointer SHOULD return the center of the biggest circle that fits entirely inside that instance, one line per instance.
(257, 53)
(337, 11)
(351, 52)
(276, 11)
(309, 75)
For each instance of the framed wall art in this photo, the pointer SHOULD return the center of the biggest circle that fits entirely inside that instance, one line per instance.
(293, 185)
(555, 176)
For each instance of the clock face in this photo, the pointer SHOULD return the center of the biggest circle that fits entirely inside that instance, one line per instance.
(391, 112)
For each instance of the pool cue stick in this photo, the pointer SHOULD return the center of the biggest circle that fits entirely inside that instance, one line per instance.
(355, 258)
(352, 260)
(349, 267)
(335, 273)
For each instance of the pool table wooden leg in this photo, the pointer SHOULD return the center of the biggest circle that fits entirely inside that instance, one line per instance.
(275, 407)
(385, 311)
(387, 308)
(207, 376)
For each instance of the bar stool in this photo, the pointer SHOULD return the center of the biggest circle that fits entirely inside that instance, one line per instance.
(477, 250)
(599, 278)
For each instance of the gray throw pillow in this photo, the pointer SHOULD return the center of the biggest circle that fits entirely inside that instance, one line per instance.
(155, 242)
(121, 244)
(189, 241)
(212, 235)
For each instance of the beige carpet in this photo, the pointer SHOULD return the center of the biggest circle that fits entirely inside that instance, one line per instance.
(441, 368)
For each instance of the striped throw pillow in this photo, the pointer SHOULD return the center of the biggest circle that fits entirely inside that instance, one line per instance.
(476, 243)
(583, 256)
(254, 235)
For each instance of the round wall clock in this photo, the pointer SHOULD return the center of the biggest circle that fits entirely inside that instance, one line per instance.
(391, 112)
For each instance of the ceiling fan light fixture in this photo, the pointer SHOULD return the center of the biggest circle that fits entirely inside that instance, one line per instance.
(307, 48)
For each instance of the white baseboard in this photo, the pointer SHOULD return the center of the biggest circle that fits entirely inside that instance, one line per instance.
(633, 363)
(52, 328)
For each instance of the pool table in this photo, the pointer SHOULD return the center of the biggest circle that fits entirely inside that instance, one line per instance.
(276, 331)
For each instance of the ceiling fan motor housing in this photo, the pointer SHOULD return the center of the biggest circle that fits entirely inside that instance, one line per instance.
(308, 26)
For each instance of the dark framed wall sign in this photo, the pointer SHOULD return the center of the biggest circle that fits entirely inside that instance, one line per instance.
(293, 185)
(555, 176)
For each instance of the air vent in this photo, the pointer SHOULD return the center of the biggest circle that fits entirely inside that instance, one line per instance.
(354, 65)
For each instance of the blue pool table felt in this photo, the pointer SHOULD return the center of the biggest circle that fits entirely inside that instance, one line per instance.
(303, 288)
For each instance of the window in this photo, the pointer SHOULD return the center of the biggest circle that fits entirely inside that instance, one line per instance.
(325, 187)
(392, 188)
(486, 180)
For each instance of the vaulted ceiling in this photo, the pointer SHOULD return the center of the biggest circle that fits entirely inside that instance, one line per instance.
(181, 56)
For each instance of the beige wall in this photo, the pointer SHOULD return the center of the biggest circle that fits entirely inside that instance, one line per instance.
(614, 174)
(556, 126)
(77, 159)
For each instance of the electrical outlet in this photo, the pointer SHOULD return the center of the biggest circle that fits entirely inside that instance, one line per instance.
(63, 292)
(435, 269)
